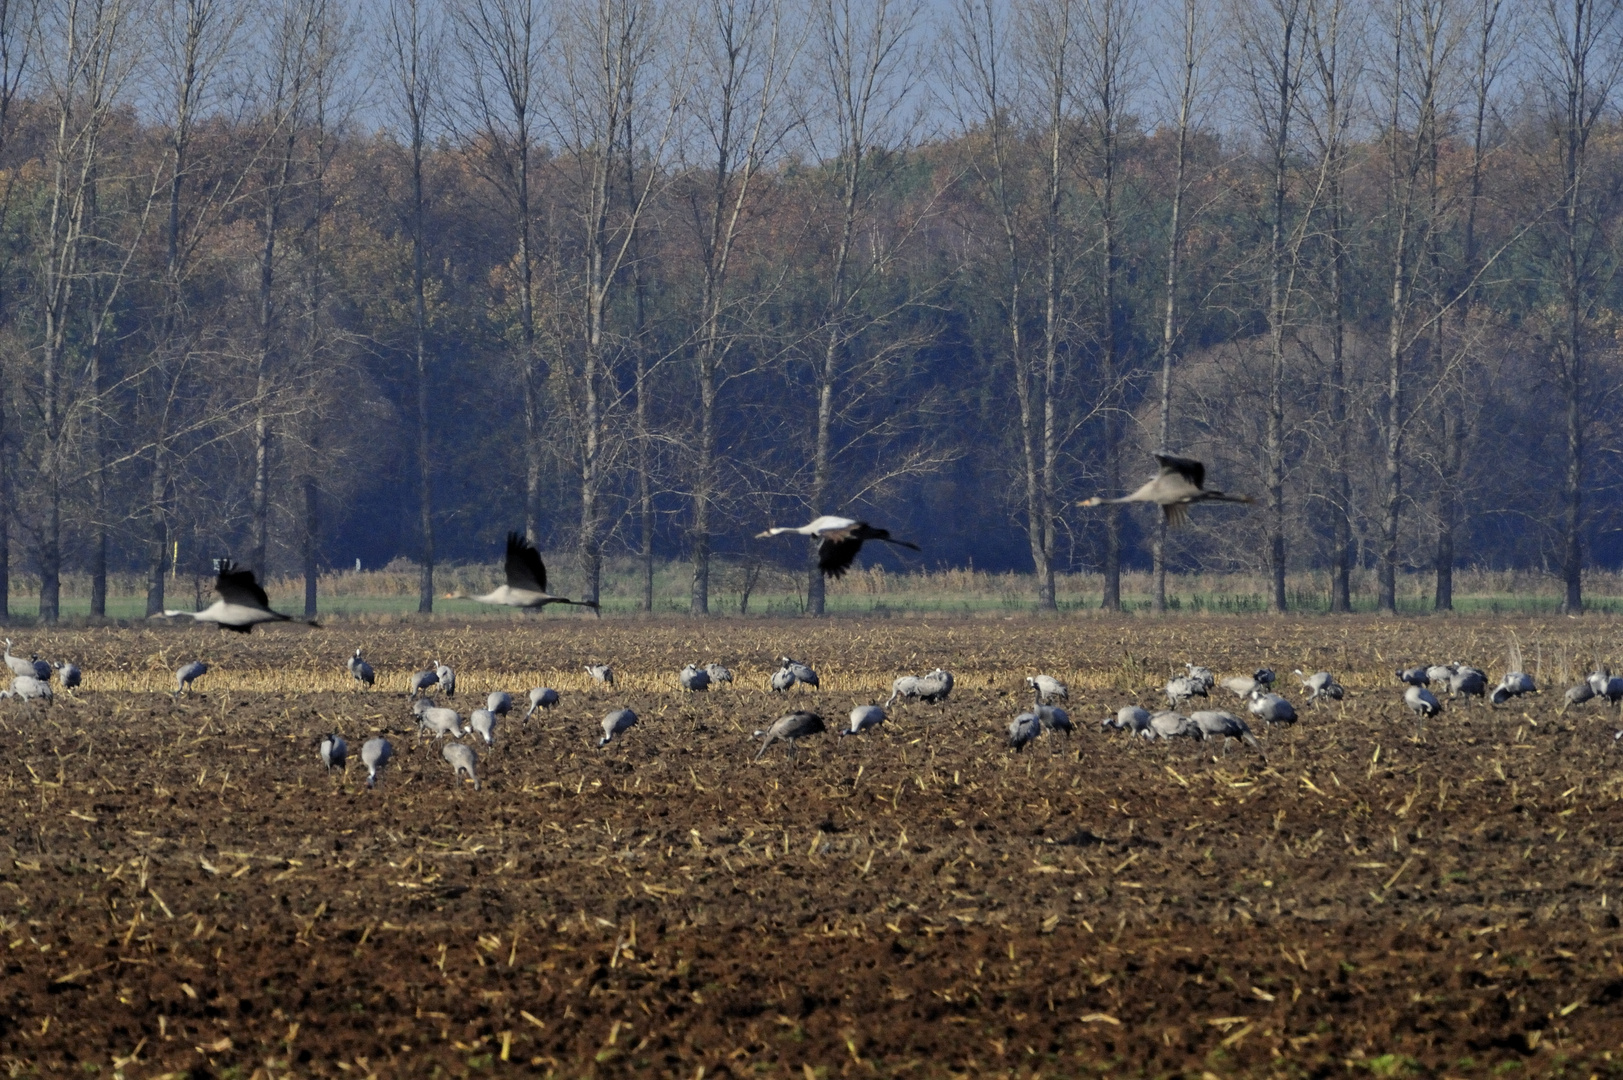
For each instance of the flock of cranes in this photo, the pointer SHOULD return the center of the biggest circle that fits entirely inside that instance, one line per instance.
(1179, 484)
(1255, 691)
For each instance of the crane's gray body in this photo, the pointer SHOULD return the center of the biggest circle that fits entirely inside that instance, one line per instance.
(69, 676)
(718, 674)
(787, 729)
(360, 670)
(483, 723)
(499, 702)
(1023, 729)
(439, 720)
(19, 665)
(462, 760)
(864, 717)
(934, 688)
(1054, 718)
(1421, 702)
(334, 751)
(541, 697)
(447, 678)
(187, 674)
(601, 673)
(1216, 724)
(801, 672)
(1134, 718)
(422, 680)
(375, 754)
(694, 678)
(1272, 708)
(1047, 687)
(28, 688)
(618, 721)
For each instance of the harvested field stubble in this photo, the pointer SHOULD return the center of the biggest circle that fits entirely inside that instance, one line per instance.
(184, 890)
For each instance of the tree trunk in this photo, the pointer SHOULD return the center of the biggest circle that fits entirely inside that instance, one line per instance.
(312, 544)
(158, 537)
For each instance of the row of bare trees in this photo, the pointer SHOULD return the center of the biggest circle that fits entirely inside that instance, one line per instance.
(292, 278)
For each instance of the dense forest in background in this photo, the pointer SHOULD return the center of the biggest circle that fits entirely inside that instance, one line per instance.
(303, 283)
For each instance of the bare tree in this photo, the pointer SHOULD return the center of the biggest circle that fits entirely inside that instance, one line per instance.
(503, 44)
(86, 49)
(1335, 67)
(16, 36)
(1106, 72)
(745, 54)
(861, 53)
(1490, 53)
(609, 81)
(195, 39)
(1580, 59)
(1271, 36)
(293, 40)
(1185, 93)
(412, 41)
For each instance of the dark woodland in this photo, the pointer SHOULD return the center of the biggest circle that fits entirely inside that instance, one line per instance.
(302, 283)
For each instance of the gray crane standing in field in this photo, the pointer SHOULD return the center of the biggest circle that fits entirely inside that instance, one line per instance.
(187, 674)
(1202, 675)
(1421, 702)
(718, 674)
(42, 668)
(615, 723)
(1180, 483)
(499, 702)
(1320, 684)
(1023, 729)
(864, 717)
(601, 673)
(1272, 708)
(782, 681)
(1133, 718)
(483, 724)
(1468, 681)
(1516, 682)
(787, 729)
(1054, 718)
(934, 688)
(541, 697)
(839, 540)
(1180, 688)
(242, 605)
(1606, 685)
(526, 585)
(361, 671)
(375, 754)
(334, 751)
(1242, 685)
(69, 675)
(422, 680)
(29, 688)
(1171, 725)
(1414, 676)
(18, 665)
(462, 760)
(1046, 687)
(437, 719)
(1215, 724)
(1577, 695)
(447, 678)
(694, 678)
(802, 672)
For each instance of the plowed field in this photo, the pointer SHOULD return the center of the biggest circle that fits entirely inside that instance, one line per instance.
(184, 889)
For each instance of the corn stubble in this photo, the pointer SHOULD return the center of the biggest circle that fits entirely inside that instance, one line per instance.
(184, 884)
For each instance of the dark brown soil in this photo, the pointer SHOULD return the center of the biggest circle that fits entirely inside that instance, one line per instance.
(183, 889)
